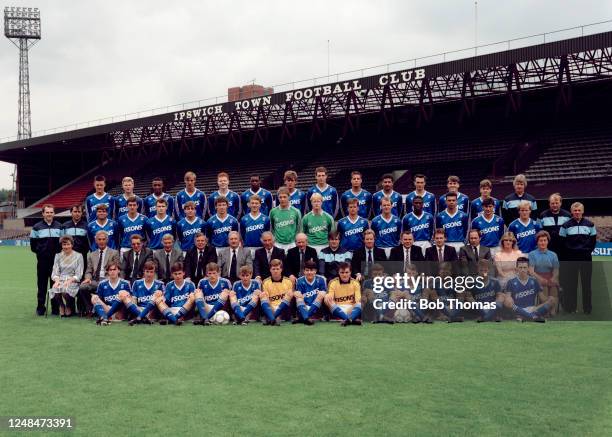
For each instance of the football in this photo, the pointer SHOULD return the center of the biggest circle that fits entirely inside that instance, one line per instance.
(402, 316)
(220, 318)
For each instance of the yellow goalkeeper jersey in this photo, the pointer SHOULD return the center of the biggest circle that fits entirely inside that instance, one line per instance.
(345, 293)
(276, 289)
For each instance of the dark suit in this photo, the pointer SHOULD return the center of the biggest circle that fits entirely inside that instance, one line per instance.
(293, 259)
(127, 263)
(159, 256)
(469, 263)
(261, 267)
(449, 254)
(191, 262)
(397, 254)
(360, 257)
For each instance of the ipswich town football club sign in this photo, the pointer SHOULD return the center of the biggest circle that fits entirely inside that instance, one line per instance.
(357, 85)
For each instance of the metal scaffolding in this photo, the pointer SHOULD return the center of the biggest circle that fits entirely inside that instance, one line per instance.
(555, 65)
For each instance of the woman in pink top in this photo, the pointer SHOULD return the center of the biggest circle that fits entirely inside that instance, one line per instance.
(505, 258)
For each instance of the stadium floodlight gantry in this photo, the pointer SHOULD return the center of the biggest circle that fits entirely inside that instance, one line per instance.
(22, 28)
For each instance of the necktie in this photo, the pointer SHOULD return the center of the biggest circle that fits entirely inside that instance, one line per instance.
(301, 262)
(269, 255)
(99, 266)
(167, 267)
(475, 253)
(406, 259)
(233, 276)
(199, 265)
(135, 266)
(369, 263)
(440, 257)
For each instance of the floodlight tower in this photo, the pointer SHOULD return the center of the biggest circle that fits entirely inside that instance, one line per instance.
(22, 28)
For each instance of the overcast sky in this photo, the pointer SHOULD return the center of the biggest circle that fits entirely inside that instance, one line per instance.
(103, 58)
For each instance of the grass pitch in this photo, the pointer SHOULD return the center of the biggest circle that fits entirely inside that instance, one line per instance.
(460, 379)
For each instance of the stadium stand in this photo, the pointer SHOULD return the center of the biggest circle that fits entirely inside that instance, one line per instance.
(373, 161)
(66, 196)
(78, 189)
(577, 153)
(561, 142)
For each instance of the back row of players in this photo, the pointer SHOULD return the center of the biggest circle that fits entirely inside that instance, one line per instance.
(185, 215)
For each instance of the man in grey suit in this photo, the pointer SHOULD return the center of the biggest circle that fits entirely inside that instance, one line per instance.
(97, 262)
(166, 257)
(233, 257)
(471, 253)
(134, 259)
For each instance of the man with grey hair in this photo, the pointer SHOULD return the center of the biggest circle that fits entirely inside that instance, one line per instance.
(166, 257)
(510, 207)
(579, 237)
(233, 257)
(298, 255)
(198, 257)
(552, 219)
(265, 254)
(95, 272)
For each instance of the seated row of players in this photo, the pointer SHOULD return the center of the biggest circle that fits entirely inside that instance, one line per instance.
(286, 220)
(148, 298)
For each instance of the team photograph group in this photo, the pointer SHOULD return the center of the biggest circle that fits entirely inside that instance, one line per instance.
(299, 257)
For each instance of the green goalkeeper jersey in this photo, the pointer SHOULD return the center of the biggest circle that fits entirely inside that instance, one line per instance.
(317, 227)
(285, 224)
